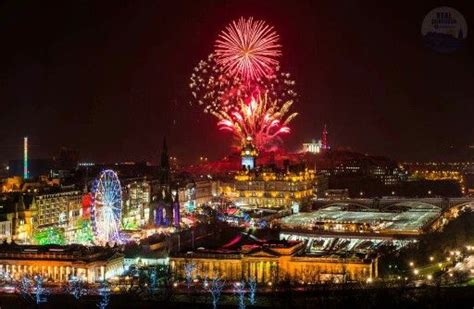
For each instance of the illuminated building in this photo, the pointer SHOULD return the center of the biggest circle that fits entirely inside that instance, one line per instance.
(16, 217)
(6, 230)
(197, 193)
(313, 147)
(165, 210)
(136, 204)
(62, 210)
(59, 263)
(336, 194)
(406, 218)
(272, 262)
(272, 188)
(57, 209)
(12, 184)
(440, 175)
(249, 155)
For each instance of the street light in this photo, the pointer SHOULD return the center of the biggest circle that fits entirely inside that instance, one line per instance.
(416, 271)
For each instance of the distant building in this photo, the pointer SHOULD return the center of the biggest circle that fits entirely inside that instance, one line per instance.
(165, 207)
(249, 155)
(319, 145)
(271, 262)
(136, 204)
(312, 147)
(58, 210)
(6, 230)
(336, 194)
(60, 263)
(15, 208)
(271, 188)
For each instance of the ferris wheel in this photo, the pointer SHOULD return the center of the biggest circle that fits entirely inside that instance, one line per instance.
(106, 207)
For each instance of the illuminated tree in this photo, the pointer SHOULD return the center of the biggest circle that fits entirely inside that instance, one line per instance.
(49, 236)
(5, 278)
(84, 235)
(104, 293)
(205, 282)
(39, 290)
(215, 288)
(189, 267)
(153, 279)
(76, 287)
(252, 283)
(24, 286)
(239, 289)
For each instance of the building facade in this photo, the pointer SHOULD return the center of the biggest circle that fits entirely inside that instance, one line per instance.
(313, 147)
(6, 230)
(58, 210)
(270, 189)
(273, 263)
(59, 263)
(136, 204)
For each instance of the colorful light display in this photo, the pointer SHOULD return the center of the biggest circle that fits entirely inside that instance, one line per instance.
(106, 208)
(241, 84)
(83, 233)
(248, 49)
(25, 158)
(261, 120)
(49, 236)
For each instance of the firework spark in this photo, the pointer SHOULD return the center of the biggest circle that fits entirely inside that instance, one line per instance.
(216, 90)
(241, 84)
(248, 49)
(261, 119)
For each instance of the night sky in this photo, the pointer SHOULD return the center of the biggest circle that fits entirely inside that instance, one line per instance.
(110, 78)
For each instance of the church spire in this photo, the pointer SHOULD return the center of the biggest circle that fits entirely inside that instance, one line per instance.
(165, 164)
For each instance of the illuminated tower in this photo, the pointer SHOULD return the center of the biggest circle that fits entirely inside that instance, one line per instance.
(25, 158)
(249, 155)
(324, 139)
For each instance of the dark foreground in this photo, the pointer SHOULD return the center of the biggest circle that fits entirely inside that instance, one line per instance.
(426, 297)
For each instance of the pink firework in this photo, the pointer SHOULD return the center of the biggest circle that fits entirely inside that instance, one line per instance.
(260, 119)
(248, 49)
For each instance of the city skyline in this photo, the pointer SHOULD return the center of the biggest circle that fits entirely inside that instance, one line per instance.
(224, 153)
(112, 81)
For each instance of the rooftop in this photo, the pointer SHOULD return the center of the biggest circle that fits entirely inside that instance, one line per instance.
(402, 217)
(55, 252)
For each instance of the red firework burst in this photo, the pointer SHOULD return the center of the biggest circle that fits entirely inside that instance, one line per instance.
(262, 120)
(248, 48)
